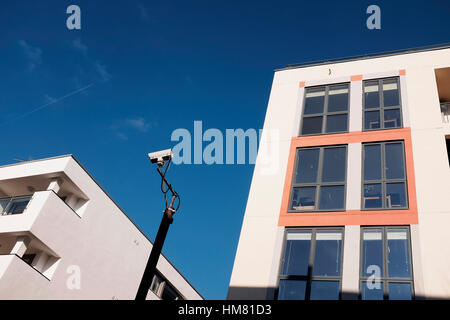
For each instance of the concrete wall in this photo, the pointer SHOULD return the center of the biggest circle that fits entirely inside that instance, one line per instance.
(103, 244)
(258, 253)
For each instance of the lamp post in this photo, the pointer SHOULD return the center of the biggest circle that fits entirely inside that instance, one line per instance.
(161, 158)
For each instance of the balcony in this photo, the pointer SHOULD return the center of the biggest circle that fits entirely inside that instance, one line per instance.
(18, 274)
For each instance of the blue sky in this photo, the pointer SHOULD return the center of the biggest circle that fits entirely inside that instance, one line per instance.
(151, 67)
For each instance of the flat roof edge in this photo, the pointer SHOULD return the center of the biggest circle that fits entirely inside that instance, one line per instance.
(365, 56)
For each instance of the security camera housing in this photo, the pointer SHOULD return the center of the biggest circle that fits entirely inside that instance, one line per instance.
(160, 156)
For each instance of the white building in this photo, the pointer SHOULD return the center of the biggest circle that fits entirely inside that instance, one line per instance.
(63, 237)
(363, 183)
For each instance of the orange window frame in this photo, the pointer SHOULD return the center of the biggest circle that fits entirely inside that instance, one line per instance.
(351, 217)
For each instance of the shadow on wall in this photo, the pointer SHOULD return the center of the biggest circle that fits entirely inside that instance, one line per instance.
(270, 293)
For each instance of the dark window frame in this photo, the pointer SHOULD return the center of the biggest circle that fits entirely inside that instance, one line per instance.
(325, 112)
(384, 181)
(385, 279)
(309, 278)
(319, 183)
(162, 286)
(381, 108)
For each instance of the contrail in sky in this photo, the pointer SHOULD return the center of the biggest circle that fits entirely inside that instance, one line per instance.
(47, 104)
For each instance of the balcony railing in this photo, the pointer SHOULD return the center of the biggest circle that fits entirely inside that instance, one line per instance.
(445, 112)
(14, 205)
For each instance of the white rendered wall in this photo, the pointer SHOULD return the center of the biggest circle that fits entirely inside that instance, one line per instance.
(108, 248)
(258, 254)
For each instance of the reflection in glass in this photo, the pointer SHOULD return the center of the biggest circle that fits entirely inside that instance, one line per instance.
(372, 291)
(296, 254)
(396, 195)
(338, 98)
(394, 161)
(314, 100)
(4, 204)
(336, 123)
(398, 254)
(331, 197)
(312, 125)
(400, 291)
(372, 196)
(304, 198)
(327, 260)
(390, 93)
(307, 163)
(372, 120)
(334, 160)
(392, 118)
(292, 290)
(372, 162)
(372, 253)
(324, 290)
(371, 95)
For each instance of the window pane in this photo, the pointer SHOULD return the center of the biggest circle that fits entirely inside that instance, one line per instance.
(331, 197)
(395, 195)
(334, 160)
(398, 254)
(372, 120)
(324, 290)
(296, 254)
(304, 198)
(392, 118)
(312, 125)
(372, 291)
(371, 95)
(337, 123)
(292, 290)
(338, 98)
(372, 162)
(390, 93)
(307, 163)
(372, 196)
(327, 260)
(372, 259)
(3, 204)
(400, 291)
(314, 100)
(18, 205)
(394, 161)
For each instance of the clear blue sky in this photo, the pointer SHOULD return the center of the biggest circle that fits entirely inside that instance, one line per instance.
(157, 66)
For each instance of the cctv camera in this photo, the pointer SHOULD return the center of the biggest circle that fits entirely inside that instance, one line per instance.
(161, 156)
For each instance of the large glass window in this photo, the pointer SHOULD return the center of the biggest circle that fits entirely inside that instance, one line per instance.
(384, 176)
(386, 271)
(325, 109)
(319, 179)
(382, 107)
(312, 265)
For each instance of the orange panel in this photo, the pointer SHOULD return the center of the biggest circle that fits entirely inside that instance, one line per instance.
(351, 217)
(402, 72)
(356, 77)
(301, 84)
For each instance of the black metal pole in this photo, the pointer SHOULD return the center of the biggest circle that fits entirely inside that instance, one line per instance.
(166, 221)
(154, 256)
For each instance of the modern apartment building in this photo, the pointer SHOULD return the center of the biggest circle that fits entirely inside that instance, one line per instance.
(359, 207)
(63, 237)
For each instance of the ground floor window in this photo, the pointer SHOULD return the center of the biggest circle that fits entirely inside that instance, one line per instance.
(311, 268)
(386, 271)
